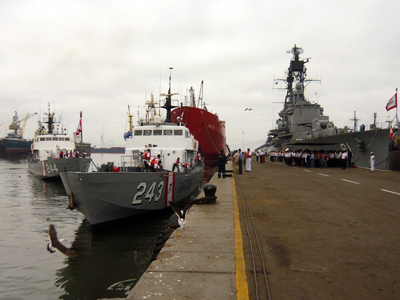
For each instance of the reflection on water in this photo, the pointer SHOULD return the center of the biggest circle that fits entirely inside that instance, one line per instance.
(110, 261)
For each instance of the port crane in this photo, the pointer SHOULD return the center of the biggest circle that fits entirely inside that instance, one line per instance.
(15, 123)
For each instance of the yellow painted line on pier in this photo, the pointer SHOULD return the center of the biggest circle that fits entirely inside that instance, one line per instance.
(242, 289)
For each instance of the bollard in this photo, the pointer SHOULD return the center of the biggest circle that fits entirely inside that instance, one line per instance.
(209, 192)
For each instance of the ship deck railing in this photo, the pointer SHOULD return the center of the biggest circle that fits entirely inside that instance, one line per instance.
(128, 162)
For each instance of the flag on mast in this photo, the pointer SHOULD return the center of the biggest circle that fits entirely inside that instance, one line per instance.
(78, 133)
(390, 132)
(79, 130)
(392, 103)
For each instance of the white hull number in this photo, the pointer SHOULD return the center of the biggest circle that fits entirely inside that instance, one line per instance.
(152, 192)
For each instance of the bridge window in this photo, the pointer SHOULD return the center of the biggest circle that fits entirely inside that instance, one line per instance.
(138, 132)
(157, 132)
(167, 132)
(178, 132)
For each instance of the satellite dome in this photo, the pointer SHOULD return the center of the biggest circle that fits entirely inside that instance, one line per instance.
(299, 87)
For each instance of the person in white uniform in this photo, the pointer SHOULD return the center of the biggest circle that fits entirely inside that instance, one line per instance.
(248, 160)
(372, 161)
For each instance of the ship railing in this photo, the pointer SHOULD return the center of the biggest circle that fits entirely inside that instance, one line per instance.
(130, 163)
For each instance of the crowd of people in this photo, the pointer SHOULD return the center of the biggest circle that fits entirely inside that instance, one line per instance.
(314, 159)
(307, 158)
(70, 154)
(240, 159)
(155, 164)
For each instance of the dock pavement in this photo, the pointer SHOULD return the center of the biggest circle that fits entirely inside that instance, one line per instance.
(200, 262)
(325, 233)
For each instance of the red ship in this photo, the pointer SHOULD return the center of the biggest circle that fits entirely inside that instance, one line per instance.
(205, 126)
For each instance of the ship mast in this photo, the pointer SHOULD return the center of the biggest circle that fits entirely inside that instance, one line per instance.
(130, 119)
(49, 121)
(168, 102)
(200, 103)
(192, 99)
(355, 120)
(297, 72)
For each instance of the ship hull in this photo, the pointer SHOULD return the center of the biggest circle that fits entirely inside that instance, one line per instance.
(394, 160)
(14, 147)
(206, 128)
(360, 143)
(51, 168)
(107, 197)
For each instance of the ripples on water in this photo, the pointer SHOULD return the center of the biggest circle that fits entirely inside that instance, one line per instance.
(110, 261)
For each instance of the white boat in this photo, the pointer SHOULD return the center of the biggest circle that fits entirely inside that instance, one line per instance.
(46, 161)
(126, 191)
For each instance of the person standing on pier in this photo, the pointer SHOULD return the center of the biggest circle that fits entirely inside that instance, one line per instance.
(344, 159)
(235, 159)
(221, 164)
(372, 161)
(248, 160)
(240, 162)
(349, 156)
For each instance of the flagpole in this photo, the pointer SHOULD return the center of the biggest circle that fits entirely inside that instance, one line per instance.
(82, 127)
(397, 118)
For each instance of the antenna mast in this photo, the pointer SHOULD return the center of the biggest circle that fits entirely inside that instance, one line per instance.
(168, 101)
(355, 121)
(200, 101)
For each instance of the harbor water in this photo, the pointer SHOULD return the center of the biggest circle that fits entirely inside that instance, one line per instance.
(109, 262)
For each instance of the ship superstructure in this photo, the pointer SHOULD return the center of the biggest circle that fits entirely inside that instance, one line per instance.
(302, 124)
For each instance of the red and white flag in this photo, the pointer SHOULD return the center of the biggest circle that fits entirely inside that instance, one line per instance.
(392, 103)
(79, 130)
(390, 132)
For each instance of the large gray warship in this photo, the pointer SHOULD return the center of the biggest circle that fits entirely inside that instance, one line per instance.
(133, 189)
(302, 125)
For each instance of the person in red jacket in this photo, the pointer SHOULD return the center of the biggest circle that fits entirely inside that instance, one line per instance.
(177, 163)
(146, 160)
(155, 164)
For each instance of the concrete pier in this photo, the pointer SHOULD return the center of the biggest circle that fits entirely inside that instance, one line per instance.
(199, 261)
(325, 233)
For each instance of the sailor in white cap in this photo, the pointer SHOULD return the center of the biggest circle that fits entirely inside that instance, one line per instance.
(372, 161)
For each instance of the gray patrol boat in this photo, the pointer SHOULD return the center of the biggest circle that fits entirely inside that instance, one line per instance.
(127, 191)
(302, 125)
(53, 151)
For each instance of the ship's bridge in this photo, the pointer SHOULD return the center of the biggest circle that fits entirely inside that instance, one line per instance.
(170, 141)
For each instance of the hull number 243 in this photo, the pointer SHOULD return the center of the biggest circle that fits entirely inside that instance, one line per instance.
(154, 191)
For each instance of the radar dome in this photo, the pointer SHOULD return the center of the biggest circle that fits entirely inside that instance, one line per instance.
(299, 87)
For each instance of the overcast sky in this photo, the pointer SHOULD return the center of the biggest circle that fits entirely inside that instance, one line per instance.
(98, 57)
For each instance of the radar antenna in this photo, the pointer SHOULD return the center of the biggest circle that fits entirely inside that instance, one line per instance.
(168, 101)
(355, 120)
